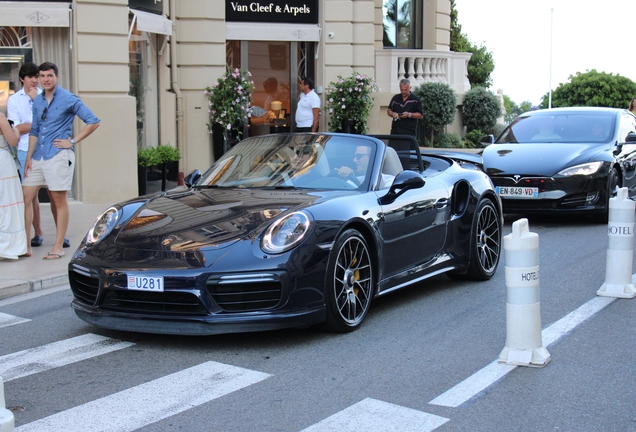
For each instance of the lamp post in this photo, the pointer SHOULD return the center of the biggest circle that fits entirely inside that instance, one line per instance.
(551, 26)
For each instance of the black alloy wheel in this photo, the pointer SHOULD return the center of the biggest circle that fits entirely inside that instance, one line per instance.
(485, 244)
(349, 282)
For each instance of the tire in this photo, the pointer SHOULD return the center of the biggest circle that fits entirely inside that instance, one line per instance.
(350, 283)
(485, 244)
(613, 182)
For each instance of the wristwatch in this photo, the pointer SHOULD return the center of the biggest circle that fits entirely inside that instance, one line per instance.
(72, 141)
(410, 115)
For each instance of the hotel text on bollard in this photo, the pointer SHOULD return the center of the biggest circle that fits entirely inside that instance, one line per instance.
(7, 422)
(620, 249)
(524, 344)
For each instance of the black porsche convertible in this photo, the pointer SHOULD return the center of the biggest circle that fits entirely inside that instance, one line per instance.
(288, 230)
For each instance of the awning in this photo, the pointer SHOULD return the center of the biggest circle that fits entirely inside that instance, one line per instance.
(35, 14)
(272, 32)
(151, 23)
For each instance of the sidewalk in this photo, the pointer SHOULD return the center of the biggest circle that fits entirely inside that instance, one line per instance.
(33, 273)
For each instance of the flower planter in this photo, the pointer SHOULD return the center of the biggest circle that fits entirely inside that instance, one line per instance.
(157, 178)
(349, 126)
(223, 139)
(349, 99)
(157, 169)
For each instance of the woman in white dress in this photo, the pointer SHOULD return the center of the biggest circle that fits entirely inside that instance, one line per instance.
(12, 233)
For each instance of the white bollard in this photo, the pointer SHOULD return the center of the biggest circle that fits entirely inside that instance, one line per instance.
(620, 249)
(7, 422)
(524, 344)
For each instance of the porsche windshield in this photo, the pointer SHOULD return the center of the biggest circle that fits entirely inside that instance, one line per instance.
(311, 161)
(560, 128)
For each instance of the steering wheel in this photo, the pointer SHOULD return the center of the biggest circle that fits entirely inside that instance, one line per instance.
(350, 177)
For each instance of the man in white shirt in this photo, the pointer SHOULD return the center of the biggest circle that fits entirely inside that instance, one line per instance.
(308, 108)
(20, 112)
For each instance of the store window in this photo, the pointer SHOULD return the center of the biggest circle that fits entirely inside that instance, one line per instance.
(15, 49)
(276, 68)
(143, 85)
(402, 21)
(137, 53)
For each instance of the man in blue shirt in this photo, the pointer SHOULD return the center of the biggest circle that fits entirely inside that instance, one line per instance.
(50, 160)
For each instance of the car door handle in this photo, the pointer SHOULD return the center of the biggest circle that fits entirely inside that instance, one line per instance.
(441, 203)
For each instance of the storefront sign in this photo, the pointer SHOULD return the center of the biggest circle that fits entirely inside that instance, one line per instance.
(278, 11)
(153, 6)
(35, 14)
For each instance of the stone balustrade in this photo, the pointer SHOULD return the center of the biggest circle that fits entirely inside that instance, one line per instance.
(420, 66)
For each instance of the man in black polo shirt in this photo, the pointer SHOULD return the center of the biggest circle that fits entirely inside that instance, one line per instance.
(405, 109)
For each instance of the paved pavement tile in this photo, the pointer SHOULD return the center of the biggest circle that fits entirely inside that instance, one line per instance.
(33, 273)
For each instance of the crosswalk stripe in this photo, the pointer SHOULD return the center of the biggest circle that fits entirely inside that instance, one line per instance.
(374, 415)
(57, 354)
(7, 320)
(150, 402)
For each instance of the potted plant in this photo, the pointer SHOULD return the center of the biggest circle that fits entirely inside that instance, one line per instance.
(156, 164)
(229, 106)
(349, 101)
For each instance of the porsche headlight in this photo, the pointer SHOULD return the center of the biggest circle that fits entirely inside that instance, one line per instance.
(583, 169)
(103, 225)
(286, 233)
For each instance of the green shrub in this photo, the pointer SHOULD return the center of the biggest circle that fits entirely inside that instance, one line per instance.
(469, 144)
(475, 137)
(481, 109)
(448, 140)
(497, 129)
(157, 155)
(440, 105)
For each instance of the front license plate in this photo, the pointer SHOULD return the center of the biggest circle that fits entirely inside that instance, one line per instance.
(145, 283)
(517, 192)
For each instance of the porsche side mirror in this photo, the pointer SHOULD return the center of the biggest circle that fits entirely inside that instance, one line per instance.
(404, 181)
(618, 149)
(192, 178)
(631, 137)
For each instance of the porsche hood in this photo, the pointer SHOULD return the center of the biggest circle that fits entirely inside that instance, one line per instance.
(206, 219)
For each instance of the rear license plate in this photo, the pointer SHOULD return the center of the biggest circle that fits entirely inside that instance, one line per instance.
(145, 283)
(517, 192)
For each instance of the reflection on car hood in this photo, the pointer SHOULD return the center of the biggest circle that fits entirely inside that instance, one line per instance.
(207, 219)
(537, 159)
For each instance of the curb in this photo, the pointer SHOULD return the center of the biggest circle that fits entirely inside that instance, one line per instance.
(14, 288)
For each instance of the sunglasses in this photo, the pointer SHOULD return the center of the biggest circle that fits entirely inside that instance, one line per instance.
(44, 113)
(360, 155)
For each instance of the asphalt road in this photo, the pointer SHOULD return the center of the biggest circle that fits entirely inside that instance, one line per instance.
(415, 346)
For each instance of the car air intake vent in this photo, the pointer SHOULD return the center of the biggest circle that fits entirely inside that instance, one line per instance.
(246, 292)
(574, 200)
(84, 283)
(178, 303)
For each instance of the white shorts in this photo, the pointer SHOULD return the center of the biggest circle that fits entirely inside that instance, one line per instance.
(56, 173)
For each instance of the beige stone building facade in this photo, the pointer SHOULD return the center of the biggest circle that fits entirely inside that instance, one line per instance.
(142, 65)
